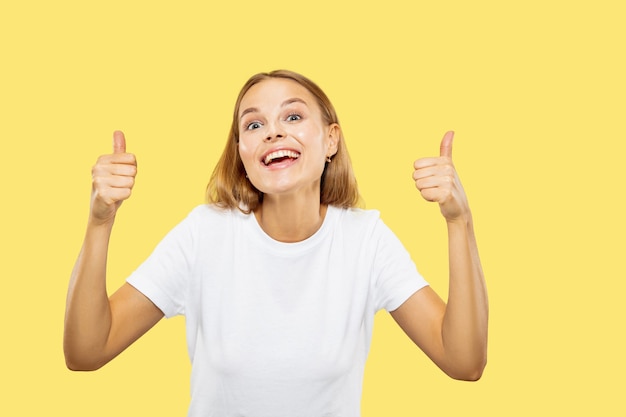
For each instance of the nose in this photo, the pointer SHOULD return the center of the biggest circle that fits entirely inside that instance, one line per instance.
(274, 132)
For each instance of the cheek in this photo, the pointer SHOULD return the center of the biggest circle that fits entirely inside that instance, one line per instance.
(245, 153)
(312, 136)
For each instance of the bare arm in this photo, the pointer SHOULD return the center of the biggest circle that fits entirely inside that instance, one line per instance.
(98, 328)
(453, 335)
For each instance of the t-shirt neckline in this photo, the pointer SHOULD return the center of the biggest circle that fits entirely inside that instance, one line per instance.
(291, 248)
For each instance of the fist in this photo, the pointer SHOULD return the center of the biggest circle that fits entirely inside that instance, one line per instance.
(437, 180)
(113, 178)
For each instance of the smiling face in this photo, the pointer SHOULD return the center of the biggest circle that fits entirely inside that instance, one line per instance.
(283, 140)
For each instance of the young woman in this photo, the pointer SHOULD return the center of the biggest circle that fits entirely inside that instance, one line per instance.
(279, 276)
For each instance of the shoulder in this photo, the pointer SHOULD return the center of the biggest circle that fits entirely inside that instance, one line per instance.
(208, 210)
(356, 215)
(366, 224)
(208, 217)
(355, 220)
(211, 212)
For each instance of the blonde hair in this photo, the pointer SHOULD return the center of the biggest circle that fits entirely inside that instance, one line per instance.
(230, 188)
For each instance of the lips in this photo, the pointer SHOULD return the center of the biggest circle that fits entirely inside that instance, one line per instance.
(279, 155)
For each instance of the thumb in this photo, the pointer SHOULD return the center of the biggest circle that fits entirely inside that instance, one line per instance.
(445, 149)
(119, 142)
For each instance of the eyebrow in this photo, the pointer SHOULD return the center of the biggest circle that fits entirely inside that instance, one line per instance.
(284, 103)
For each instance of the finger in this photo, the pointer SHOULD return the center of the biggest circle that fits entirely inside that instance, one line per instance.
(115, 164)
(426, 162)
(119, 142)
(114, 195)
(117, 158)
(430, 194)
(122, 182)
(443, 196)
(425, 172)
(126, 170)
(443, 182)
(105, 182)
(445, 149)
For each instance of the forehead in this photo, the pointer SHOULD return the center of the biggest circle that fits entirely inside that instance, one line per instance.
(274, 92)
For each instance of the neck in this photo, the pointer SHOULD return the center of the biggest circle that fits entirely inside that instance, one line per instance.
(290, 219)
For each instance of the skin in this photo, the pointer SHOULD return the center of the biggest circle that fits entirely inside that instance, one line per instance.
(281, 114)
(453, 335)
(271, 119)
(98, 328)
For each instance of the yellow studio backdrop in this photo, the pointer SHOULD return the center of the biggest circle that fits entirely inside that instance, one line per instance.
(534, 90)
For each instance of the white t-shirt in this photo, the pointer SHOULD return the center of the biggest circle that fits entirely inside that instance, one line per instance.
(277, 329)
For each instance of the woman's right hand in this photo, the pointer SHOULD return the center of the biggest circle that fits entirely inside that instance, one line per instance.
(98, 328)
(113, 178)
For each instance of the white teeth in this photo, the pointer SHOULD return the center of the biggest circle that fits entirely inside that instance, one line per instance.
(280, 154)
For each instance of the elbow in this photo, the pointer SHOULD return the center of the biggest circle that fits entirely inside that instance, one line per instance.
(78, 365)
(469, 372)
(77, 361)
(82, 355)
(468, 376)
(81, 366)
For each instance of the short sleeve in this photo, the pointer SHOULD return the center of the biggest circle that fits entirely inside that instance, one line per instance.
(163, 277)
(396, 277)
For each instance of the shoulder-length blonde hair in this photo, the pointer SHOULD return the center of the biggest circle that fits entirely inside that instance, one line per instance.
(230, 188)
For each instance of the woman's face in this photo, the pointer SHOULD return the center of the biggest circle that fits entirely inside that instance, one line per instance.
(283, 140)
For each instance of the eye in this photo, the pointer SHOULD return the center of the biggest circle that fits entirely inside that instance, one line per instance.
(253, 125)
(293, 117)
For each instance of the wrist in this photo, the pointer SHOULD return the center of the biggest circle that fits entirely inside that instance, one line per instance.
(96, 223)
(464, 221)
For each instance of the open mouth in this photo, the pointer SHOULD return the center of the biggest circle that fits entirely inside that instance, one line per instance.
(280, 156)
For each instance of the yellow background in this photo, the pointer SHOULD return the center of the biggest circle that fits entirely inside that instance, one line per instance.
(535, 91)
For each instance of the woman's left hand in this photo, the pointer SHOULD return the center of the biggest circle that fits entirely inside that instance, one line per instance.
(437, 180)
(452, 334)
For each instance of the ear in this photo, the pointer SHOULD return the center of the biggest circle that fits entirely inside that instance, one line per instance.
(334, 136)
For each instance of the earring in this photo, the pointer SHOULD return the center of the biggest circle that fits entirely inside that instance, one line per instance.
(328, 159)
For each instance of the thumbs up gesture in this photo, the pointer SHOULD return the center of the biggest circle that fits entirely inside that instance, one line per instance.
(437, 181)
(113, 178)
